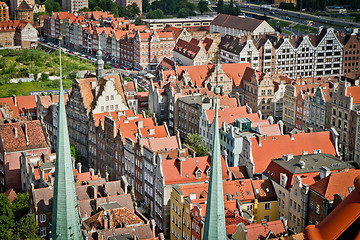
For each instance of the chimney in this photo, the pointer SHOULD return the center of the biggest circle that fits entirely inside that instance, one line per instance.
(302, 164)
(288, 157)
(179, 160)
(153, 225)
(41, 174)
(51, 182)
(140, 124)
(291, 136)
(15, 132)
(111, 223)
(26, 134)
(92, 171)
(324, 172)
(95, 190)
(310, 129)
(105, 222)
(79, 167)
(259, 139)
(152, 131)
(14, 100)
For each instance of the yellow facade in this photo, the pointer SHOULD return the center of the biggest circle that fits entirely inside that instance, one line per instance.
(186, 220)
(176, 211)
(265, 210)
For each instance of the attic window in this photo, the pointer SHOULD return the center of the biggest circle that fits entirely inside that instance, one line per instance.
(256, 191)
(267, 190)
(238, 194)
(198, 173)
(208, 172)
(187, 175)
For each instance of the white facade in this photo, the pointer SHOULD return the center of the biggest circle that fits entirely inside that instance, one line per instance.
(110, 99)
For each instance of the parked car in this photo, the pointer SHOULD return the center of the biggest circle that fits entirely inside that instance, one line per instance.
(117, 65)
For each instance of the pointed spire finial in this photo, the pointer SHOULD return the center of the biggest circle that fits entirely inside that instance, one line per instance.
(215, 213)
(65, 213)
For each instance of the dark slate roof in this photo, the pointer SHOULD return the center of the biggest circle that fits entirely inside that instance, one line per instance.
(243, 23)
(232, 44)
(312, 163)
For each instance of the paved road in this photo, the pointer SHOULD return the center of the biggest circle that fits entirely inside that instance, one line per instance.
(299, 16)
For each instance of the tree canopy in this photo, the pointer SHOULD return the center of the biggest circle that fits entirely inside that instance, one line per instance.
(195, 142)
(15, 220)
(203, 6)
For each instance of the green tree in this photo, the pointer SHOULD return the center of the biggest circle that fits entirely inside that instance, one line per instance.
(133, 10)
(183, 13)
(21, 205)
(7, 221)
(220, 6)
(138, 21)
(203, 6)
(357, 18)
(145, 5)
(195, 142)
(74, 152)
(84, 9)
(44, 77)
(157, 14)
(27, 228)
(148, 114)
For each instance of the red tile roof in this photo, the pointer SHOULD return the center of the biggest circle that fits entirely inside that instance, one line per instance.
(229, 115)
(275, 146)
(161, 143)
(344, 217)
(10, 194)
(354, 91)
(261, 230)
(336, 183)
(189, 167)
(264, 190)
(21, 136)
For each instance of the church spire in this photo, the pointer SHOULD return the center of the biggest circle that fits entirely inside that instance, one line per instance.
(99, 66)
(215, 215)
(65, 214)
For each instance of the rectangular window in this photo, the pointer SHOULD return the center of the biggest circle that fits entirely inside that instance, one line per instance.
(267, 218)
(43, 232)
(267, 206)
(42, 218)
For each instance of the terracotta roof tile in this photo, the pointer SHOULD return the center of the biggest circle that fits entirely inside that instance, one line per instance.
(161, 143)
(336, 183)
(344, 217)
(354, 92)
(264, 190)
(188, 167)
(275, 146)
(261, 230)
(21, 136)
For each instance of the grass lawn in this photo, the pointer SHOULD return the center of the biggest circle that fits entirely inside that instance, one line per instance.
(286, 32)
(23, 88)
(20, 63)
(304, 28)
(274, 23)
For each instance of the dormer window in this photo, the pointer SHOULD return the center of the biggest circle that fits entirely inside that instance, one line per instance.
(198, 173)
(208, 172)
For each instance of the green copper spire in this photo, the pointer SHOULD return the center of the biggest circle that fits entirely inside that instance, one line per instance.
(65, 214)
(215, 215)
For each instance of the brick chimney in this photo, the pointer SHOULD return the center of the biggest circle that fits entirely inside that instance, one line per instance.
(79, 167)
(179, 161)
(15, 132)
(140, 124)
(26, 133)
(92, 171)
(259, 139)
(95, 191)
(14, 100)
